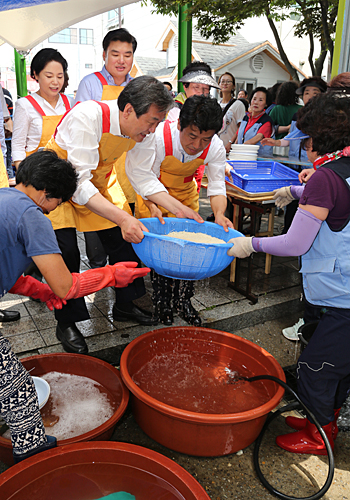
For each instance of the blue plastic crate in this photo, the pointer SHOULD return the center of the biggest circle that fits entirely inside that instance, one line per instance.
(261, 176)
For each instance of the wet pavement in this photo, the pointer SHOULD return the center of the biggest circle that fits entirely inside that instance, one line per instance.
(222, 308)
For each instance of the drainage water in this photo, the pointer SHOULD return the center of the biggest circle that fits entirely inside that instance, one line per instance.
(201, 383)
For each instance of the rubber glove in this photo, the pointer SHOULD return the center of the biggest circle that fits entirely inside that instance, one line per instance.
(119, 275)
(30, 287)
(283, 196)
(242, 247)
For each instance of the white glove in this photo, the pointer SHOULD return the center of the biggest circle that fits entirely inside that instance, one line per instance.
(283, 196)
(242, 247)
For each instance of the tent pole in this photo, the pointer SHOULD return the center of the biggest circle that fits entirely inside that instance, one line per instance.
(184, 42)
(21, 74)
(341, 54)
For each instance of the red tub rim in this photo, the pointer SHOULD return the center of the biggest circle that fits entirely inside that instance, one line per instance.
(87, 436)
(44, 459)
(193, 417)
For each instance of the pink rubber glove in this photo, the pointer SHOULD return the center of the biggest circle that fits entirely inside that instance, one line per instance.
(30, 287)
(119, 275)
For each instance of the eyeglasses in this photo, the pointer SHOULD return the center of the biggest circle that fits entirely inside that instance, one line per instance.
(226, 81)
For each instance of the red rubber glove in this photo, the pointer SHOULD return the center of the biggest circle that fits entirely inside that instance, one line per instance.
(30, 287)
(118, 275)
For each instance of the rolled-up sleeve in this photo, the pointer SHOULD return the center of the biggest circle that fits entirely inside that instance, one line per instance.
(215, 169)
(139, 167)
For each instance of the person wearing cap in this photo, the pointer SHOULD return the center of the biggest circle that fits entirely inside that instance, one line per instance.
(118, 54)
(196, 80)
(320, 234)
(180, 147)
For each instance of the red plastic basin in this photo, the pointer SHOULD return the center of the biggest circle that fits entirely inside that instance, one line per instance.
(87, 471)
(199, 434)
(85, 366)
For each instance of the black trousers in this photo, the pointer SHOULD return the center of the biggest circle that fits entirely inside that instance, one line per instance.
(117, 249)
(323, 367)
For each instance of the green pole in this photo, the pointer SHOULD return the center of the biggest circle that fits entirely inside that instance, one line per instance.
(21, 74)
(184, 42)
(340, 36)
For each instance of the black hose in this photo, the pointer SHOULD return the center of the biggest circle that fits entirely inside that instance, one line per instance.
(292, 406)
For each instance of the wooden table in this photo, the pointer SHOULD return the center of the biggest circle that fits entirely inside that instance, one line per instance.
(257, 203)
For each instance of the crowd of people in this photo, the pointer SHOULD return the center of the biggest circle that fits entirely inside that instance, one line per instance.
(129, 149)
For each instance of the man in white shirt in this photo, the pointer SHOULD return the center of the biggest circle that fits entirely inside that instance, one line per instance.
(118, 54)
(180, 147)
(92, 136)
(118, 51)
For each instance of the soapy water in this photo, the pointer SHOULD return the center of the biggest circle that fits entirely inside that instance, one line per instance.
(201, 383)
(76, 405)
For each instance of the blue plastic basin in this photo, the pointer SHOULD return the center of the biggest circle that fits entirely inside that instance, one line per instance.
(181, 259)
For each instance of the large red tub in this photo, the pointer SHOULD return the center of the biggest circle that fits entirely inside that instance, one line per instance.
(191, 432)
(86, 366)
(88, 471)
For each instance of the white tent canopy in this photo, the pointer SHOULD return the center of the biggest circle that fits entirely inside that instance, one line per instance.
(25, 23)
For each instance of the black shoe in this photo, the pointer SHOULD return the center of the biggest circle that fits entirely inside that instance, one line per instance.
(7, 316)
(71, 339)
(164, 314)
(188, 313)
(129, 311)
(51, 442)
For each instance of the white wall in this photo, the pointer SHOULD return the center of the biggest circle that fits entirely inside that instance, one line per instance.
(269, 75)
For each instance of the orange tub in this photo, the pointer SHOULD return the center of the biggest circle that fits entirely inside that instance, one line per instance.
(200, 434)
(87, 471)
(86, 366)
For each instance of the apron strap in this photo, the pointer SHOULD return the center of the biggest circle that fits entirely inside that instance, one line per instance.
(35, 104)
(168, 142)
(65, 102)
(101, 78)
(205, 152)
(106, 117)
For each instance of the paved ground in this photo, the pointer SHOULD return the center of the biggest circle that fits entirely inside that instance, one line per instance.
(231, 477)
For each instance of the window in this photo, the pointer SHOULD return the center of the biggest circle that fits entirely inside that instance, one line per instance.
(112, 14)
(68, 35)
(86, 37)
(88, 66)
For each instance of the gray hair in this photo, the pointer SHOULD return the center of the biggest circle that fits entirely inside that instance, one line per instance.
(144, 91)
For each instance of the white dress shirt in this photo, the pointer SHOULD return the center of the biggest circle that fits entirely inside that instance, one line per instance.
(144, 177)
(80, 134)
(28, 124)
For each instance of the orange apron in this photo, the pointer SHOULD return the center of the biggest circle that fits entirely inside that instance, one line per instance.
(111, 147)
(109, 93)
(49, 122)
(177, 177)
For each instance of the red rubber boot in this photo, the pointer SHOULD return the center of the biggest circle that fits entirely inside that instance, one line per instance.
(307, 441)
(300, 423)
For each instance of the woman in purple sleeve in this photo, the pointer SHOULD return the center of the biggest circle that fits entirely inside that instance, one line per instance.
(320, 233)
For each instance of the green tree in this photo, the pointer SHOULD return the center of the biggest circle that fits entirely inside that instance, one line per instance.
(315, 19)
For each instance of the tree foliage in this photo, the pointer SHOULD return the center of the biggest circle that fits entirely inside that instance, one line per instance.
(315, 19)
